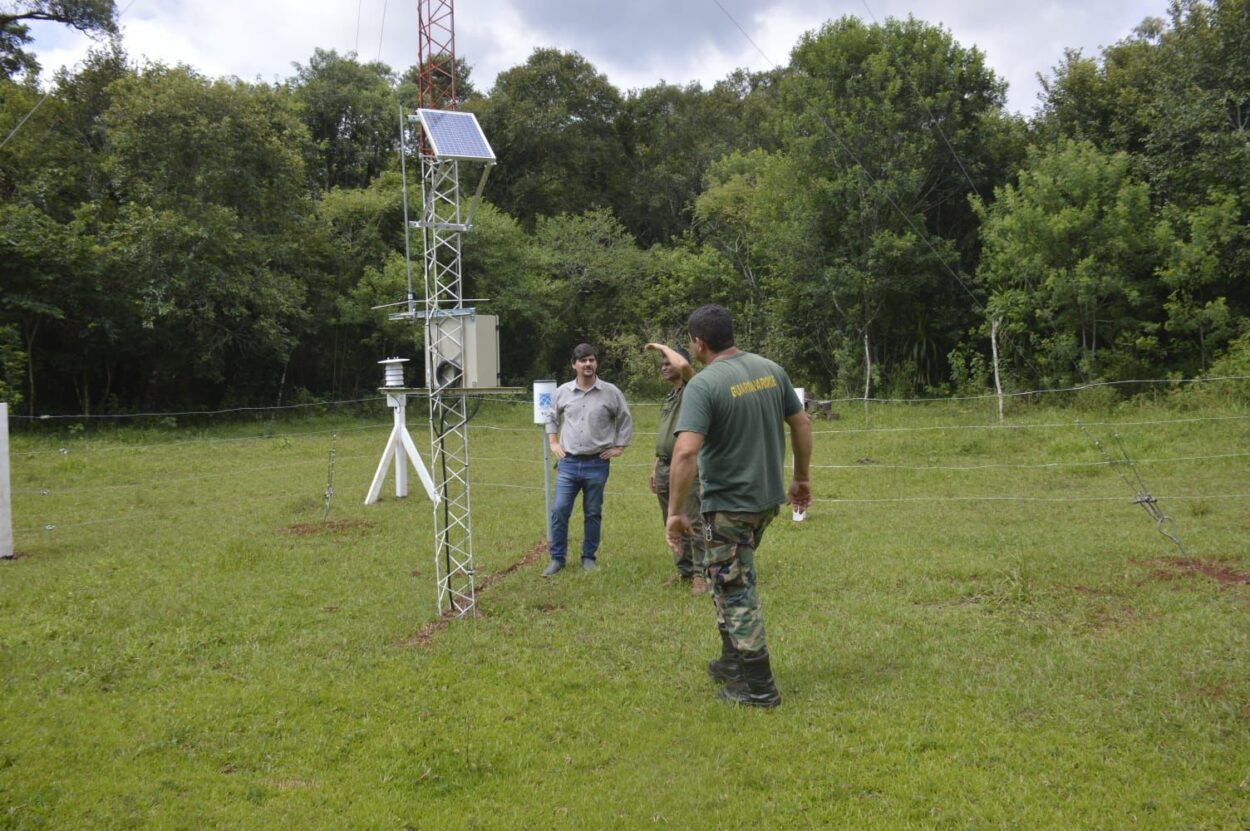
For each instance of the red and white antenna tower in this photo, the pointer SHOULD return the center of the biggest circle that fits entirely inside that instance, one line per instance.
(436, 55)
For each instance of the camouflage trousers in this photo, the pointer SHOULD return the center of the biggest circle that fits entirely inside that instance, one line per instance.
(688, 561)
(730, 540)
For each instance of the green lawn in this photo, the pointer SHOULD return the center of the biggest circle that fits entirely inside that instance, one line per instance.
(967, 633)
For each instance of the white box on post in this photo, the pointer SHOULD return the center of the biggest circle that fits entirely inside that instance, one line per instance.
(464, 351)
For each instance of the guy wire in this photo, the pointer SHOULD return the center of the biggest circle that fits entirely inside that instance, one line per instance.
(1164, 524)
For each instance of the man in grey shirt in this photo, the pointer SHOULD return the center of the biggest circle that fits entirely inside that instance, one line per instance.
(596, 427)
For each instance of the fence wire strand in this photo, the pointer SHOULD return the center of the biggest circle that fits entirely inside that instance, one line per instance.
(356, 464)
(1172, 382)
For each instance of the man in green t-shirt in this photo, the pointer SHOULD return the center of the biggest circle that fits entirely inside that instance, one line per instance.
(676, 370)
(731, 422)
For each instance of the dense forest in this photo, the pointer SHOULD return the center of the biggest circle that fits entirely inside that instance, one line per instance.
(870, 212)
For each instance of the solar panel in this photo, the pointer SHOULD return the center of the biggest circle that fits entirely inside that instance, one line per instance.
(455, 135)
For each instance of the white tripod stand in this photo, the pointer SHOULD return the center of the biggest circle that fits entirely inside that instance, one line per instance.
(399, 446)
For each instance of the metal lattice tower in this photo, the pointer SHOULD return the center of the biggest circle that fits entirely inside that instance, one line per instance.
(441, 228)
(445, 139)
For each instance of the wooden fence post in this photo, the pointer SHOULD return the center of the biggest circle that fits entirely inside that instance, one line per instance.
(6, 504)
(998, 384)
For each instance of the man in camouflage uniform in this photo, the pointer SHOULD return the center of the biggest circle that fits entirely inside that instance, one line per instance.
(731, 421)
(675, 368)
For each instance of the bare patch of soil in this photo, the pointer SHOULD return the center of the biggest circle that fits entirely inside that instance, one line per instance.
(533, 556)
(427, 632)
(334, 526)
(1175, 568)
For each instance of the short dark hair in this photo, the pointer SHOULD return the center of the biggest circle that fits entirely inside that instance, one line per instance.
(681, 350)
(714, 325)
(582, 350)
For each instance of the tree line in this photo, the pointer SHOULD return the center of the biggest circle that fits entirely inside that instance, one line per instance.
(870, 212)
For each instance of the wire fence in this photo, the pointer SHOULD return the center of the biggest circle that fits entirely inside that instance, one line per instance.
(1173, 383)
(52, 503)
(126, 447)
(54, 522)
(270, 434)
(537, 462)
(205, 413)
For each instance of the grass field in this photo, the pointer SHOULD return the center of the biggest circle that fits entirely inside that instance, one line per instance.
(975, 628)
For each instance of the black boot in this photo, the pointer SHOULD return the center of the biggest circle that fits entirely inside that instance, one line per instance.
(757, 688)
(727, 669)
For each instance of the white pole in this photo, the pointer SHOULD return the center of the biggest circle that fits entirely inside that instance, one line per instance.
(401, 427)
(998, 384)
(801, 393)
(544, 404)
(6, 511)
(547, 482)
(867, 373)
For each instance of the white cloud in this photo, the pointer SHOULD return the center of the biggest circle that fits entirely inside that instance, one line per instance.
(492, 40)
(636, 44)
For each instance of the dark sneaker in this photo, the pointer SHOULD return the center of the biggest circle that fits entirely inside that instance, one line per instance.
(553, 567)
(588, 565)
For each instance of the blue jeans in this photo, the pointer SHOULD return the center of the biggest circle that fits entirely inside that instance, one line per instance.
(588, 474)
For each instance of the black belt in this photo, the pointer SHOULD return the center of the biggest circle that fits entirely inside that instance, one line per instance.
(581, 455)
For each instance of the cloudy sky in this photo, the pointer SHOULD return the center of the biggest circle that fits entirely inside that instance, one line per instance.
(636, 43)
